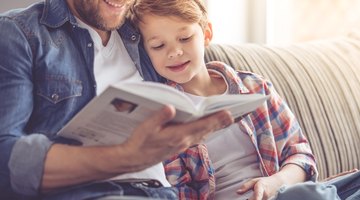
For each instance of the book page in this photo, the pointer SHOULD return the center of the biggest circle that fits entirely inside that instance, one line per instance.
(112, 117)
(237, 104)
(160, 93)
(106, 123)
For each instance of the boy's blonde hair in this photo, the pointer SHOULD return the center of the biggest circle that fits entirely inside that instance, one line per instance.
(192, 11)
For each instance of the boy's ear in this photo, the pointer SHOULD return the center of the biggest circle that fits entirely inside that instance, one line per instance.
(208, 34)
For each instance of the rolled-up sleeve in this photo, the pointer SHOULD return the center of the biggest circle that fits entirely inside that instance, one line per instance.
(26, 163)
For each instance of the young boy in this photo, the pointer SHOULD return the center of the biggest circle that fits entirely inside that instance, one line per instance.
(263, 151)
(259, 156)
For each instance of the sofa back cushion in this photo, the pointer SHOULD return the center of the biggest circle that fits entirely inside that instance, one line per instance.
(320, 81)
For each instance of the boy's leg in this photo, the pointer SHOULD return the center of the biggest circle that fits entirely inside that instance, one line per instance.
(348, 186)
(307, 190)
(343, 187)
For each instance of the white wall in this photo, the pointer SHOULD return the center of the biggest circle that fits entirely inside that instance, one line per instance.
(11, 4)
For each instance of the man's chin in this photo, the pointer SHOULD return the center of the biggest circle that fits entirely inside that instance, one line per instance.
(108, 27)
(111, 27)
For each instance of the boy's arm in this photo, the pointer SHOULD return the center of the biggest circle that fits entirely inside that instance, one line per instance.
(191, 172)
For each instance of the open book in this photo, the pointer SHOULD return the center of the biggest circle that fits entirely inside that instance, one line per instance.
(112, 116)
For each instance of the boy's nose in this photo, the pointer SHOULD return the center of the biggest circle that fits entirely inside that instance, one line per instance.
(175, 53)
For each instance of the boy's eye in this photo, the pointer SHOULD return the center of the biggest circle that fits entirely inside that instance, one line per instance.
(158, 47)
(185, 39)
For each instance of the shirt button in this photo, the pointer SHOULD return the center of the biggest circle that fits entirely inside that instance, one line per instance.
(133, 37)
(55, 97)
(89, 44)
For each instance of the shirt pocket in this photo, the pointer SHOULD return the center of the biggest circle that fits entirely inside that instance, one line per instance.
(58, 88)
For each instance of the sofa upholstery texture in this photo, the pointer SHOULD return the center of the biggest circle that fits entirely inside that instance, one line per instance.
(320, 81)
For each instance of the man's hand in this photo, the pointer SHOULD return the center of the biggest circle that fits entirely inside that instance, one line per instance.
(156, 140)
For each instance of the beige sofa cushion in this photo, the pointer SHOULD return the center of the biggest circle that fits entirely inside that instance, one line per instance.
(320, 81)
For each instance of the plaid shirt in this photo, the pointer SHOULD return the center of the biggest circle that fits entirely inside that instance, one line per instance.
(272, 128)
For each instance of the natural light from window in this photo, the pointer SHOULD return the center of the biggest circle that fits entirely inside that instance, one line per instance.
(281, 22)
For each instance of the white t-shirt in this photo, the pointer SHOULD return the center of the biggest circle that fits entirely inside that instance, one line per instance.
(113, 64)
(234, 159)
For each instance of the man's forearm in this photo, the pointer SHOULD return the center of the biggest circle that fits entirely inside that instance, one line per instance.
(69, 165)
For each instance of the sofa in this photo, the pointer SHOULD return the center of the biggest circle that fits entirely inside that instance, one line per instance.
(320, 81)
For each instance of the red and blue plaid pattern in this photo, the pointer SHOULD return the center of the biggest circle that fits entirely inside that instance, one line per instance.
(273, 130)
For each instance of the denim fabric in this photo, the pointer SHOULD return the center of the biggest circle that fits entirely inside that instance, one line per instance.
(308, 190)
(345, 187)
(115, 189)
(348, 186)
(46, 73)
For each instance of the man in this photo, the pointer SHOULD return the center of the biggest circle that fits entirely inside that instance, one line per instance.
(55, 57)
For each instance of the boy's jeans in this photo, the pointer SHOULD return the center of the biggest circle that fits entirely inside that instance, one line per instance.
(345, 187)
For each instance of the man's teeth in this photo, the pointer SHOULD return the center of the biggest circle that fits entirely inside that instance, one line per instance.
(113, 4)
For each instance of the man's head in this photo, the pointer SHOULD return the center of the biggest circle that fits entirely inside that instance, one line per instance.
(103, 15)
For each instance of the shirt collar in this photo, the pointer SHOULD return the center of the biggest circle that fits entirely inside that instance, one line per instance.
(56, 13)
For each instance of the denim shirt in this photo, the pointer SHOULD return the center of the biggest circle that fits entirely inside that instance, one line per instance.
(46, 73)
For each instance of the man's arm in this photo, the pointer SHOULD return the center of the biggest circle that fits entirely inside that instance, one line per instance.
(20, 155)
(152, 142)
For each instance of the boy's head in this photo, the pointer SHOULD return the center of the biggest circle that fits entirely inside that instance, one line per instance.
(174, 34)
(192, 11)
